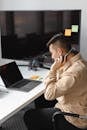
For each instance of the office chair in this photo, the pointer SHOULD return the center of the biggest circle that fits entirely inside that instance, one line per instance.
(59, 115)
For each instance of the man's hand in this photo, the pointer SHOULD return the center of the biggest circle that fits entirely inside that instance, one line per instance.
(58, 63)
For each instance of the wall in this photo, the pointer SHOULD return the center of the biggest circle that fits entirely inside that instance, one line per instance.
(0, 44)
(53, 5)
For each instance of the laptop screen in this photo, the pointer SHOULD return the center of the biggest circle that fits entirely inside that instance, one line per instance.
(10, 73)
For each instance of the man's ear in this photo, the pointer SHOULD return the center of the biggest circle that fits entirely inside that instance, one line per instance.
(60, 51)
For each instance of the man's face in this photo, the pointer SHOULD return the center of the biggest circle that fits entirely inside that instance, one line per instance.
(54, 52)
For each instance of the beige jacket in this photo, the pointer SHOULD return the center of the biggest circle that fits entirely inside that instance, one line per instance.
(69, 86)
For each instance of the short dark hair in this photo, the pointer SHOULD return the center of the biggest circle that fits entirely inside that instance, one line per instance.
(64, 41)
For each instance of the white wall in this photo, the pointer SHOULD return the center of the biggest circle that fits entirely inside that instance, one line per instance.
(53, 5)
(0, 44)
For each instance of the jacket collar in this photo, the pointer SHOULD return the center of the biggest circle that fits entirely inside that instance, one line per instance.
(75, 58)
(71, 61)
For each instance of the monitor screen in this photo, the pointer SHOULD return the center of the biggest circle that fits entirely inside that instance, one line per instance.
(24, 34)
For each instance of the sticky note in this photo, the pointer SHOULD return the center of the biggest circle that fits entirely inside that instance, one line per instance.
(68, 32)
(34, 77)
(75, 28)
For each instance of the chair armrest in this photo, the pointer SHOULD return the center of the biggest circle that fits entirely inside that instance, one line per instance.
(68, 114)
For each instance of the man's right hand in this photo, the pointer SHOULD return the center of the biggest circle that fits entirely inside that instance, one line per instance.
(58, 63)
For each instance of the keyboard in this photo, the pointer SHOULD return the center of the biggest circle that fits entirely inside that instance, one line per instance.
(30, 86)
(25, 85)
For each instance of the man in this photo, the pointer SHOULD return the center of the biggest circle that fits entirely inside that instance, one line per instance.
(66, 82)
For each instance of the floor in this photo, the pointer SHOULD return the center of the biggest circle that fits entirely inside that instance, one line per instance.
(16, 122)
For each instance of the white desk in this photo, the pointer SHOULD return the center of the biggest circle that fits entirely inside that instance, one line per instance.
(12, 102)
(40, 74)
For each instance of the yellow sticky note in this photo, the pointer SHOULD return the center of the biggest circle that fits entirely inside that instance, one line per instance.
(68, 32)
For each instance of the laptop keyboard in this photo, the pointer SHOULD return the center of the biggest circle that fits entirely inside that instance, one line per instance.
(30, 86)
(20, 83)
(25, 85)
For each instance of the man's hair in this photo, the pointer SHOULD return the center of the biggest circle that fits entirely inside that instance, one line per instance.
(61, 40)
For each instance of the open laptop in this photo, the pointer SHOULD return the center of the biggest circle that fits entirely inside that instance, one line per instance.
(13, 78)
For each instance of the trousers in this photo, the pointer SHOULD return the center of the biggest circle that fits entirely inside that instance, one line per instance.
(41, 119)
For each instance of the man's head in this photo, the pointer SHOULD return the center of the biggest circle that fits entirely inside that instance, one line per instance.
(59, 45)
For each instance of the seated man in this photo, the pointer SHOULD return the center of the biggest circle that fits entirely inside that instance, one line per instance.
(67, 83)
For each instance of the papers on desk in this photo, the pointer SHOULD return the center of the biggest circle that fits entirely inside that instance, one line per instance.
(3, 90)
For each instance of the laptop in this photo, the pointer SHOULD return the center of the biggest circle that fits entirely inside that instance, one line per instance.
(13, 78)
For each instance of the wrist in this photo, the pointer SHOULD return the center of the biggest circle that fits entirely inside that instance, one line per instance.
(53, 70)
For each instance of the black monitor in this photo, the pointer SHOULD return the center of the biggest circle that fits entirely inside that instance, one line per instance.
(24, 34)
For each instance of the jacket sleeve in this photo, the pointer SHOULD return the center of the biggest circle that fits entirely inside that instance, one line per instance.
(59, 87)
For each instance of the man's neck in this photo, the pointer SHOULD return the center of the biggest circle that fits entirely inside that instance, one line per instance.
(70, 56)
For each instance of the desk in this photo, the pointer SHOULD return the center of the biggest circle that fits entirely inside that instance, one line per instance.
(12, 102)
(29, 73)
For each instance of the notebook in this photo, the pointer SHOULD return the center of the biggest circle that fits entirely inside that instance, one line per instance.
(13, 78)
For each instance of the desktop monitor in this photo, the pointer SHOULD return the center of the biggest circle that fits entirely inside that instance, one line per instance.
(24, 34)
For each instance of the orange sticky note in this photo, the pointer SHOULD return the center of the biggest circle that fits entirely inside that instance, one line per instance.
(34, 77)
(68, 32)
